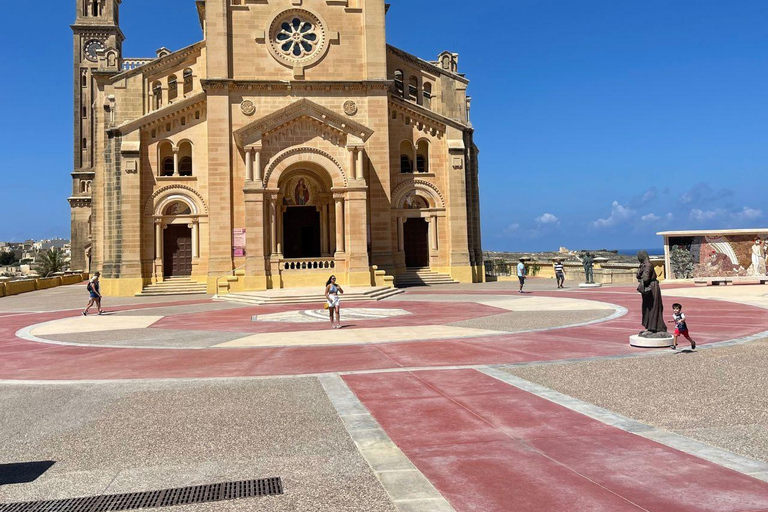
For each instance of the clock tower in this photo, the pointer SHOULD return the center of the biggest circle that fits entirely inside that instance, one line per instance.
(96, 28)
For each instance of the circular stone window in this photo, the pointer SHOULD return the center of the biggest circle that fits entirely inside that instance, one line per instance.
(297, 38)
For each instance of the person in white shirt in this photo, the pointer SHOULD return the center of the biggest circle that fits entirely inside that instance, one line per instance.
(521, 274)
(559, 273)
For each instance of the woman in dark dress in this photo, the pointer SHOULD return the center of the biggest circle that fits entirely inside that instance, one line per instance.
(648, 286)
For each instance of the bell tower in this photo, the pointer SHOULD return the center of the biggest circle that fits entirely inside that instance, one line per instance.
(96, 28)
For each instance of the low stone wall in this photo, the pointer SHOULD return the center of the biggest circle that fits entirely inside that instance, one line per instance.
(605, 273)
(8, 288)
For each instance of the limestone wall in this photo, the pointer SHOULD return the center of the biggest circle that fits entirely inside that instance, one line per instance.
(8, 288)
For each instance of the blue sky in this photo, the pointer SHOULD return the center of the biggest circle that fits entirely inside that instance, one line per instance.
(599, 122)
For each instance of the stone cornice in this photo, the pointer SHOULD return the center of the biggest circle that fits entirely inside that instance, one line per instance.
(296, 110)
(99, 28)
(160, 116)
(425, 65)
(80, 202)
(279, 85)
(425, 115)
(158, 65)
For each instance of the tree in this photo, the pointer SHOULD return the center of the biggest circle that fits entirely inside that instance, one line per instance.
(8, 258)
(51, 261)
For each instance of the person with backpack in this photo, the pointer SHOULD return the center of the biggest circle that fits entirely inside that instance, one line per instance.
(93, 290)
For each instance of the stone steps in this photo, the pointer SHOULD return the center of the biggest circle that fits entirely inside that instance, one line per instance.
(286, 297)
(174, 286)
(422, 277)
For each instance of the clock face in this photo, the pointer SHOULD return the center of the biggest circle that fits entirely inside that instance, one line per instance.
(91, 48)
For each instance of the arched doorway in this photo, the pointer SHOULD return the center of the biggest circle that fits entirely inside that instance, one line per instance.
(416, 239)
(177, 252)
(305, 221)
(177, 241)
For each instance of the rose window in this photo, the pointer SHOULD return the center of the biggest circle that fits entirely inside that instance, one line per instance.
(297, 38)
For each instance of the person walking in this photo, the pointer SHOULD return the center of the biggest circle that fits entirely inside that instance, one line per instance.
(559, 273)
(332, 292)
(95, 294)
(521, 274)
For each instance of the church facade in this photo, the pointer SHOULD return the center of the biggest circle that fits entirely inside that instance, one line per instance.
(290, 144)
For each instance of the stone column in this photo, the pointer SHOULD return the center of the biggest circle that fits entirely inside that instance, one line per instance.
(158, 240)
(195, 239)
(400, 234)
(331, 227)
(259, 172)
(352, 161)
(175, 161)
(273, 223)
(280, 212)
(340, 246)
(256, 218)
(248, 163)
(360, 163)
(323, 230)
(434, 233)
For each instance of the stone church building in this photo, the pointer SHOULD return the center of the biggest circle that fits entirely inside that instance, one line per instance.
(289, 144)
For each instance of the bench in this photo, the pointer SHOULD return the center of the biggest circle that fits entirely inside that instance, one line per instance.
(713, 281)
(716, 281)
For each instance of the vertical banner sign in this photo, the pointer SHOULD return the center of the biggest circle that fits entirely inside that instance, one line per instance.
(238, 242)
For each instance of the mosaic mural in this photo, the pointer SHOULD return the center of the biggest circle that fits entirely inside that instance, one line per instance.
(718, 256)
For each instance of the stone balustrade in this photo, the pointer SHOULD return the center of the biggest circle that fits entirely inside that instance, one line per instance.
(307, 264)
(129, 64)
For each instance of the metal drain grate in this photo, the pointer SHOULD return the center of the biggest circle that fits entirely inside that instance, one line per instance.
(154, 499)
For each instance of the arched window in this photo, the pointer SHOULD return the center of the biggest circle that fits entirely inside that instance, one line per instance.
(187, 81)
(406, 157)
(399, 82)
(173, 87)
(84, 80)
(85, 143)
(428, 95)
(95, 8)
(422, 156)
(185, 159)
(85, 112)
(165, 158)
(413, 89)
(82, 187)
(157, 95)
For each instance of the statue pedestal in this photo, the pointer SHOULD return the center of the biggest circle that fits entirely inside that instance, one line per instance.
(590, 285)
(642, 342)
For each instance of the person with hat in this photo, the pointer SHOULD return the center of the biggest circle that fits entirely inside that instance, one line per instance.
(93, 289)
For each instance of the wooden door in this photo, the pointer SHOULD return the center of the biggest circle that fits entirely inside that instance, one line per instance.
(177, 254)
(416, 238)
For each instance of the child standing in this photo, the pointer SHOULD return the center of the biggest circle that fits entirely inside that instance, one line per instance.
(681, 327)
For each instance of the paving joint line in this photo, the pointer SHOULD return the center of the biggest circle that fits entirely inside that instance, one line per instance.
(744, 465)
(381, 453)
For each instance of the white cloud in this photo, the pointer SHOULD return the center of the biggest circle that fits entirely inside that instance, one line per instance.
(697, 214)
(749, 213)
(512, 228)
(651, 217)
(619, 215)
(669, 216)
(649, 195)
(547, 218)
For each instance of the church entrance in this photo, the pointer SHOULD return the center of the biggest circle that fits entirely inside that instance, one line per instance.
(416, 238)
(177, 253)
(301, 232)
